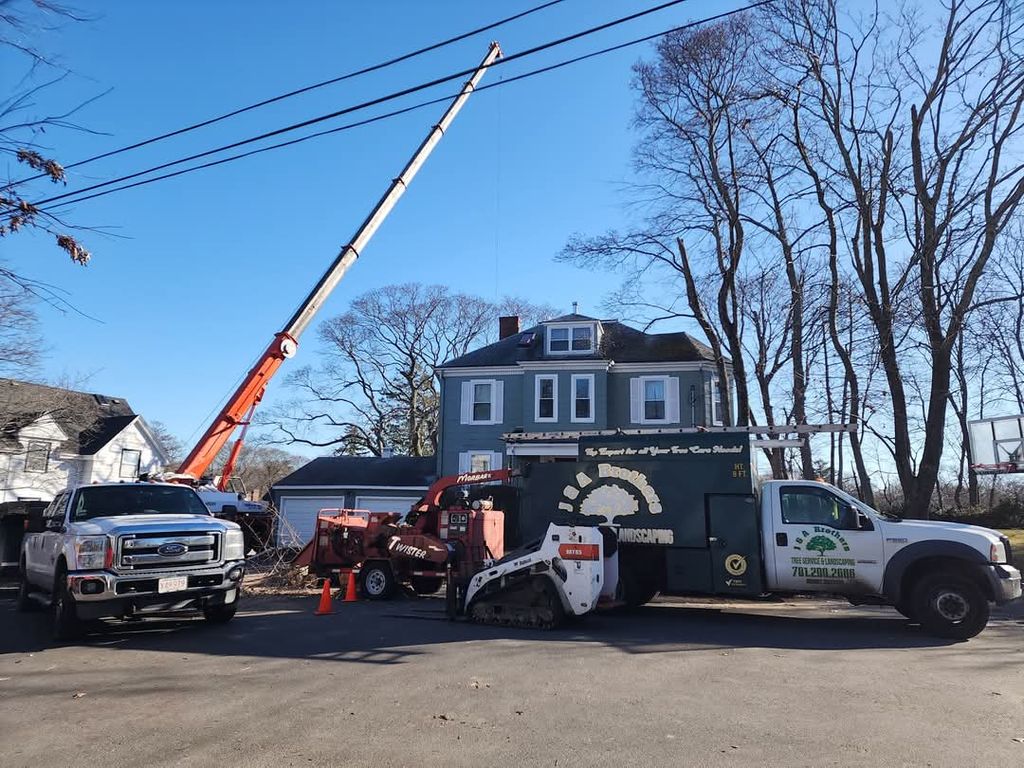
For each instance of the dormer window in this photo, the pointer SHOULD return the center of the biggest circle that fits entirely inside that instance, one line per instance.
(570, 339)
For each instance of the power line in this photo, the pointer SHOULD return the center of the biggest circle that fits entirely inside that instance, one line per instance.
(366, 104)
(304, 89)
(420, 105)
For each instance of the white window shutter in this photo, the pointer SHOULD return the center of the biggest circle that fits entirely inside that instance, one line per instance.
(498, 406)
(467, 404)
(464, 462)
(496, 460)
(672, 400)
(636, 401)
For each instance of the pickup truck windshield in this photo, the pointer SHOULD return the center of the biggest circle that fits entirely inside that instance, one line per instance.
(115, 500)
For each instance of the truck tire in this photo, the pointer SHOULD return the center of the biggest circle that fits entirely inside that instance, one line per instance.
(24, 603)
(377, 581)
(66, 624)
(949, 605)
(426, 585)
(220, 614)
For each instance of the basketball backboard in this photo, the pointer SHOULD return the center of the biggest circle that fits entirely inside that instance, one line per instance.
(997, 444)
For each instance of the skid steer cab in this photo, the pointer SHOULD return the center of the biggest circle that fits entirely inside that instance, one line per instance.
(564, 574)
(418, 548)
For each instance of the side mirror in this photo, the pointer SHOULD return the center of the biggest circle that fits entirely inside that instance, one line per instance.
(55, 523)
(862, 521)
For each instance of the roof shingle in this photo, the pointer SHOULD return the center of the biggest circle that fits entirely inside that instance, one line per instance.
(619, 343)
(90, 420)
(364, 472)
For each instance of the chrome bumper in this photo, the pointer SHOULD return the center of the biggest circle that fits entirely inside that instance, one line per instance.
(83, 584)
(1005, 581)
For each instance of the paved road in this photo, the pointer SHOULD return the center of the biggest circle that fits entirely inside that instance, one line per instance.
(803, 683)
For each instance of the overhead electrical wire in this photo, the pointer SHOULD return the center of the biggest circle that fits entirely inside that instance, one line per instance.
(378, 118)
(419, 105)
(304, 89)
(366, 104)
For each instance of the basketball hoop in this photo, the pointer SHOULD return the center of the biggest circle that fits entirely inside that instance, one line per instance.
(1004, 468)
(997, 445)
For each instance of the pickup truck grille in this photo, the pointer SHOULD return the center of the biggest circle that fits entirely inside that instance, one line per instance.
(160, 551)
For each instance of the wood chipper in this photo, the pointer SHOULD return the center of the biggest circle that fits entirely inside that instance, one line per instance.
(418, 548)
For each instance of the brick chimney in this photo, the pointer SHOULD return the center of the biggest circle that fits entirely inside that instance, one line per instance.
(508, 326)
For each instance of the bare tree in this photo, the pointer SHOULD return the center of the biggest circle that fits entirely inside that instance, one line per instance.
(917, 151)
(376, 388)
(24, 126)
(172, 446)
(259, 467)
(19, 330)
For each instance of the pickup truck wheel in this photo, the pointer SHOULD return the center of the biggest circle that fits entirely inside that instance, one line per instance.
(950, 605)
(25, 603)
(66, 624)
(377, 581)
(220, 614)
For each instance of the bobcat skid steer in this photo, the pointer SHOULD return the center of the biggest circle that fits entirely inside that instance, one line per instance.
(564, 574)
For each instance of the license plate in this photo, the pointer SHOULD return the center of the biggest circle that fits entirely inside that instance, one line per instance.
(172, 584)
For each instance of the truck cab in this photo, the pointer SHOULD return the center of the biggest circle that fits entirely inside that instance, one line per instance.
(817, 538)
(129, 550)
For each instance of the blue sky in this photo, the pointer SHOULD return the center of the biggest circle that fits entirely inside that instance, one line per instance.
(207, 267)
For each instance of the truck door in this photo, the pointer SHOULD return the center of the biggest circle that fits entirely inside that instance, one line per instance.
(37, 545)
(821, 544)
(735, 544)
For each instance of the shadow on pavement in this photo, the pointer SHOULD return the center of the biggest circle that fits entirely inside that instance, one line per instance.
(391, 633)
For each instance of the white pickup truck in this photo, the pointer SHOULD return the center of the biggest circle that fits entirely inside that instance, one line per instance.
(691, 521)
(128, 550)
(799, 536)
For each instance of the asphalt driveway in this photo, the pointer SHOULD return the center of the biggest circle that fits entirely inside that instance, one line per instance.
(800, 683)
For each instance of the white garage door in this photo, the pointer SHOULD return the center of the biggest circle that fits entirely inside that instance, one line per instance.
(400, 504)
(298, 517)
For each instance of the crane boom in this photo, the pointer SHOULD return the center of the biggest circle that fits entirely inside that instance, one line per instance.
(285, 342)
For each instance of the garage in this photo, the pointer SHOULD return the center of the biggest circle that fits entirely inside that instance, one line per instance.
(386, 504)
(377, 484)
(297, 517)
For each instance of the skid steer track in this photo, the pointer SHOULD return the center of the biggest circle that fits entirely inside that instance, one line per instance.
(530, 604)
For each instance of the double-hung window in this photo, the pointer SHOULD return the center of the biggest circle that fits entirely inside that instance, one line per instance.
(546, 407)
(37, 456)
(716, 402)
(482, 401)
(479, 461)
(583, 397)
(654, 400)
(558, 340)
(130, 463)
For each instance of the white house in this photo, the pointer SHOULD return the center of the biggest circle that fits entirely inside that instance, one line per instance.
(51, 438)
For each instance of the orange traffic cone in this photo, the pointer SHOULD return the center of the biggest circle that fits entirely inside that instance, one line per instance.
(350, 589)
(325, 600)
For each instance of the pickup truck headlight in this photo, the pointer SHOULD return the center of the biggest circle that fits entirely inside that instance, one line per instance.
(91, 553)
(234, 545)
(997, 553)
